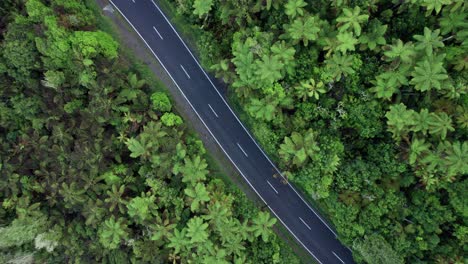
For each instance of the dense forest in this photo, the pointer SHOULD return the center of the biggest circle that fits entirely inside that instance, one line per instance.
(95, 165)
(363, 104)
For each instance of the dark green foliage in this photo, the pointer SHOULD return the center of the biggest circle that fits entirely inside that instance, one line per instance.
(94, 166)
(363, 104)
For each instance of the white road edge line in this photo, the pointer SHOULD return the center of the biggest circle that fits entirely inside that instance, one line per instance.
(188, 76)
(302, 220)
(247, 131)
(338, 257)
(159, 34)
(272, 187)
(245, 153)
(213, 110)
(219, 144)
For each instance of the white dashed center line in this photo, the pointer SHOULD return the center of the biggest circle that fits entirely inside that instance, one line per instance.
(188, 76)
(302, 220)
(272, 187)
(213, 110)
(243, 151)
(157, 32)
(338, 257)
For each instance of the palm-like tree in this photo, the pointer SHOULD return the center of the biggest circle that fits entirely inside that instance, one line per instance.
(303, 29)
(389, 82)
(115, 198)
(375, 36)
(294, 7)
(162, 230)
(111, 233)
(346, 42)
(285, 54)
(436, 5)
(399, 120)
(417, 149)
(428, 74)
(262, 109)
(202, 7)
(262, 225)
(298, 148)
(351, 19)
(457, 158)
(197, 230)
(194, 170)
(245, 67)
(217, 214)
(72, 195)
(400, 51)
(178, 240)
(308, 89)
(440, 124)
(340, 65)
(421, 121)
(198, 194)
(429, 41)
(269, 70)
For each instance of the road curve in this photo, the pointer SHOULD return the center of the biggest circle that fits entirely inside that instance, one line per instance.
(297, 216)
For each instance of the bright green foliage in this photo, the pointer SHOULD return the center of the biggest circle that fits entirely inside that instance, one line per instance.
(135, 147)
(37, 10)
(198, 194)
(262, 224)
(434, 5)
(83, 141)
(389, 118)
(309, 88)
(299, 148)
(194, 170)
(440, 124)
(387, 83)
(217, 214)
(399, 120)
(457, 158)
(90, 44)
(303, 29)
(197, 230)
(294, 8)
(417, 149)
(351, 19)
(53, 79)
(202, 7)
(428, 75)
(161, 102)
(340, 65)
(178, 240)
(346, 42)
(171, 119)
(421, 121)
(285, 54)
(374, 249)
(21, 232)
(429, 42)
(400, 51)
(262, 110)
(112, 233)
(140, 208)
(99, 167)
(268, 70)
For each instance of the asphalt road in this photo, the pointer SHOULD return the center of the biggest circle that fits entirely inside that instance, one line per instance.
(299, 218)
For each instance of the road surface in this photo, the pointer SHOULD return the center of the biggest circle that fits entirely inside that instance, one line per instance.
(299, 218)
